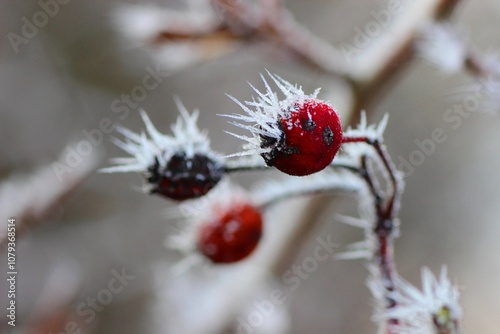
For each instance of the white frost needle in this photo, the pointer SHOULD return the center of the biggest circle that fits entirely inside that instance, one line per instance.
(433, 309)
(148, 148)
(264, 113)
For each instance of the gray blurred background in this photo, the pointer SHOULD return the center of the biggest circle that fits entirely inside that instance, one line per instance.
(64, 80)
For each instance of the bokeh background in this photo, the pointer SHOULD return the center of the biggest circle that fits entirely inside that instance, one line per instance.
(64, 81)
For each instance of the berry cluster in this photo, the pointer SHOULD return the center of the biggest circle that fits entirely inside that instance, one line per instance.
(299, 135)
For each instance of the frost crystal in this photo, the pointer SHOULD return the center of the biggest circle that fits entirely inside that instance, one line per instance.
(435, 309)
(265, 113)
(152, 148)
(366, 248)
(351, 156)
(373, 132)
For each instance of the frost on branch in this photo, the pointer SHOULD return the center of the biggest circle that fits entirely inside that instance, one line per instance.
(177, 39)
(372, 132)
(32, 198)
(445, 46)
(442, 45)
(269, 192)
(401, 308)
(180, 166)
(434, 309)
(364, 158)
(144, 24)
(481, 93)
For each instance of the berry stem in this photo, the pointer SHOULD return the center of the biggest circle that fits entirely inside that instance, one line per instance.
(390, 211)
(244, 168)
(354, 139)
(287, 193)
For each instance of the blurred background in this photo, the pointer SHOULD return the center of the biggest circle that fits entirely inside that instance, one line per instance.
(64, 80)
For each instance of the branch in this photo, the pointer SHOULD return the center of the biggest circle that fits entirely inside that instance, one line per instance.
(276, 25)
(31, 199)
(389, 58)
(380, 65)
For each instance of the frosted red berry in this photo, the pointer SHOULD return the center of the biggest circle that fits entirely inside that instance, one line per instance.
(311, 135)
(185, 177)
(232, 234)
(299, 135)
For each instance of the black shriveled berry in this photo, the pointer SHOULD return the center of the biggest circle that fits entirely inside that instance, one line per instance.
(185, 177)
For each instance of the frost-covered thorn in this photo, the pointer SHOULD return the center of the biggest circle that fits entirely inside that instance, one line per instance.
(433, 309)
(180, 166)
(299, 135)
(366, 133)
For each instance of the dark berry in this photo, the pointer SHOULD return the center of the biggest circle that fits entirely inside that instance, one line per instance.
(185, 177)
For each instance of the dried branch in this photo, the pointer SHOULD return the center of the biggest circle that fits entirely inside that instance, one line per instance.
(31, 199)
(368, 75)
(385, 229)
(377, 67)
(276, 24)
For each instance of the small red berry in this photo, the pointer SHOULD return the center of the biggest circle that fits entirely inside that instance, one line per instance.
(311, 136)
(232, 235)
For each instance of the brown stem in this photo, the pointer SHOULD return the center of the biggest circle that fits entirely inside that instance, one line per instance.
(276, 24)
(308, 47)
(368, 76)
(385, 227)
(386, 208)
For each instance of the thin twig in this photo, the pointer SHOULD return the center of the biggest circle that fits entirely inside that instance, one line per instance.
(386, 208)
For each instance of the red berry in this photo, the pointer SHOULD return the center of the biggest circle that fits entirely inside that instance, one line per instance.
(311, 136)
(232, 235)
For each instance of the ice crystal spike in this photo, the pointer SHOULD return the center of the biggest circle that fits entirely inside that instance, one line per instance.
(180, 166)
